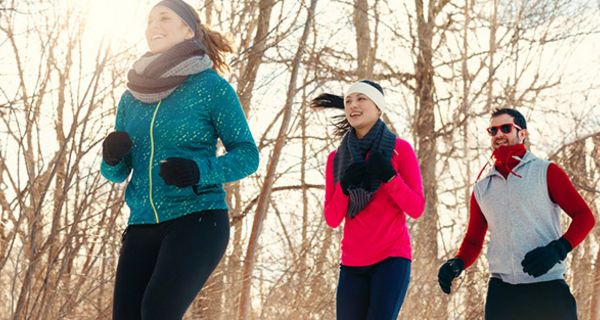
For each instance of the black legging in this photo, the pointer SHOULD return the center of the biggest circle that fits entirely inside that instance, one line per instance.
(548, 300)
(162, 267)
(374, 292)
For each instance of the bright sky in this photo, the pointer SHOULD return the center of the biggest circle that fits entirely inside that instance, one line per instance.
(120, 22)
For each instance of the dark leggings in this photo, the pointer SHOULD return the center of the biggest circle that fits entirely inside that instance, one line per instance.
(548, 300)
(162, 267)
(373, 292)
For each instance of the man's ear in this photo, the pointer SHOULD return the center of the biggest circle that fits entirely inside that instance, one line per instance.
(523, 134)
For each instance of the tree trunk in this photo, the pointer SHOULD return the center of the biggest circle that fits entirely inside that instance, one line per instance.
(363, 39)
(267, 186)
(425, 260)
(255, 57)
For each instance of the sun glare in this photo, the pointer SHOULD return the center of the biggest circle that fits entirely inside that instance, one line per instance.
(116, 22)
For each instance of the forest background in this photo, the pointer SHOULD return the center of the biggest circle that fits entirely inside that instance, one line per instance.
(444, 66)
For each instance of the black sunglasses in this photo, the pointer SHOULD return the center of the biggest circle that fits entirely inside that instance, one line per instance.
(505, 128)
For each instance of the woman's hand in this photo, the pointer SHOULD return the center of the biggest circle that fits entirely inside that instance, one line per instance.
(379, 167)
(115, 146)
(180, 172)
(353, 176)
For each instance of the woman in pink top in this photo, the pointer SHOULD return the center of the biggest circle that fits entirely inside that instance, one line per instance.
(372, 182)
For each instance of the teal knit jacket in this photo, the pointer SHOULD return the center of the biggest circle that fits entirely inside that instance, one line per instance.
(185, 124)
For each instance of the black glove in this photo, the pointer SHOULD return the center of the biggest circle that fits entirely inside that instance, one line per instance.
(115, 146)
(448, 271)
(379, 167)
(541, 259)
(353, 176)
(180, 172)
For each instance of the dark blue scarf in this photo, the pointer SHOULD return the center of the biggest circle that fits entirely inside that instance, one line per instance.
(352, 149)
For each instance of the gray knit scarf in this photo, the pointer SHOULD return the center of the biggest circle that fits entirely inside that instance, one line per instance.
(155, 76)
(351, 150)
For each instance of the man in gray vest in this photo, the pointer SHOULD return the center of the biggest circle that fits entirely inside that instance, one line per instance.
(520, 201)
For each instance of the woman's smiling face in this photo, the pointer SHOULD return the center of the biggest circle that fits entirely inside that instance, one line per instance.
(165, 29)
(361, 112)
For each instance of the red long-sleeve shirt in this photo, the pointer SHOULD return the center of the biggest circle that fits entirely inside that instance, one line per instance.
(561, 191)
(379, 231)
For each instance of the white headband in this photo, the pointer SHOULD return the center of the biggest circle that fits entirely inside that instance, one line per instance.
(369, 91)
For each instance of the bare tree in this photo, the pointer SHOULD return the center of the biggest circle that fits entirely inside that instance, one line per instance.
(444, 66)
(266, 189)
(58, 216)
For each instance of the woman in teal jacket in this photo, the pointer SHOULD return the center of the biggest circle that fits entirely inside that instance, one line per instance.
(165, 138)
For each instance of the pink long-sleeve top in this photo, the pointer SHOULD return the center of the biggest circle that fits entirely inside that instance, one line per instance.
(379, 231)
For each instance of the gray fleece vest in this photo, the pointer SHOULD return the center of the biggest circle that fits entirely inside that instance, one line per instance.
(521, 217)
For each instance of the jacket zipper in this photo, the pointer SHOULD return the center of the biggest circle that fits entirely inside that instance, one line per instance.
(152, 160)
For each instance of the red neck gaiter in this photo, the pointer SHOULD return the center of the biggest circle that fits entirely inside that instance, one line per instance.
(505, 160)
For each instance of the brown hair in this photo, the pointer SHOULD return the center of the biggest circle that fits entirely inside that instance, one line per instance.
(217, 45)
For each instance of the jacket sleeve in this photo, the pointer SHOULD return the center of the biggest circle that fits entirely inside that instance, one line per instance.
(336, 202)
(406, 188)
(120, 171)
(229, 121)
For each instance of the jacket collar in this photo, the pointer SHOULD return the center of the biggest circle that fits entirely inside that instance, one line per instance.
(528, 157)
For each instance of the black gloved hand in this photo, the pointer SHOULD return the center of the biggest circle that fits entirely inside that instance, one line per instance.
(448, 271)
(115, 146)
(541, 259)
(379, 167)
(180, 172)
(353, 176)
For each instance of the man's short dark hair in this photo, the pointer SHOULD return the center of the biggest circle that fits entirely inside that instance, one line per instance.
(518, 117)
